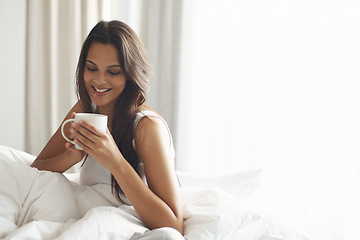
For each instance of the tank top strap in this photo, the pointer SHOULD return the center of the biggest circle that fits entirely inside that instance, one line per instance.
(145, 113)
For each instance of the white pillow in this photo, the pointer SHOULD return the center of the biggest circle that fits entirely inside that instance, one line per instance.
(241, 185)
(13, 155)
(213, 214)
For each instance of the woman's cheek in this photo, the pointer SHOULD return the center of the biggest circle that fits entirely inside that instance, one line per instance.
(87, 76)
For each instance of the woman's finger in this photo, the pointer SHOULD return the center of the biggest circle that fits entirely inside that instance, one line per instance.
(71, 147)
(78, 129)
(84, 136)
(84, 146)
(68, 145)
(71, 132)
(91, 128)
(79, 153)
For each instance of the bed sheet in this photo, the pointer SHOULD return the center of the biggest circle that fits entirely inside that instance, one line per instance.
(213, 209)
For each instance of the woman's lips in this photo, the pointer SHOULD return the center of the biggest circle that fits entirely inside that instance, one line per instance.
(101, 91)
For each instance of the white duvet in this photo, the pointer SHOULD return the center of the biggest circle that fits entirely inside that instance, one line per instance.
(44, 205)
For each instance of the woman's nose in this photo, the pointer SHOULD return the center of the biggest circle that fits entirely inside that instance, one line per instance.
(101, 78)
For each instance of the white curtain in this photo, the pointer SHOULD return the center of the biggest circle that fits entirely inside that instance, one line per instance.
(275, 85)
(55, 32)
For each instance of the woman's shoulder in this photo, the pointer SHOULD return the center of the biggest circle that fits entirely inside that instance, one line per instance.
(77, 108)
(148, 123)
(152, 135)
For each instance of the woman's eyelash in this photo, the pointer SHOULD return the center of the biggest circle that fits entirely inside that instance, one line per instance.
(114, 73)
(91, 69)
(111, 72)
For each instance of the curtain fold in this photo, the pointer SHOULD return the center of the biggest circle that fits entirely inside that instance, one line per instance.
(160, 31)
(158, 24)
(55, 32)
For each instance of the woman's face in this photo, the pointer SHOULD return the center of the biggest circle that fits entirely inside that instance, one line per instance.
(103, 77)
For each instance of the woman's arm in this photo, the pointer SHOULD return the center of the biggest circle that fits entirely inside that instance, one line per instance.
(159, 205)
(58, 155)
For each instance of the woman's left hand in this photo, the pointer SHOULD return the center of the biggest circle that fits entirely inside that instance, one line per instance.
(100, 146)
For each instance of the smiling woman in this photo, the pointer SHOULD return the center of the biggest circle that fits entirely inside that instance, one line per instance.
(135, 156)
(103, 76)
(263, 84)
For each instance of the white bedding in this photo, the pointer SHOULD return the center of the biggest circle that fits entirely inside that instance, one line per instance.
(50, 206)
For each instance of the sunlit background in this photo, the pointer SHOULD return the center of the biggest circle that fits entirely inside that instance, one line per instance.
(243, 84)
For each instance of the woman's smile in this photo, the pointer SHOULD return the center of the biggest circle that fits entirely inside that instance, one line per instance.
(101, 91)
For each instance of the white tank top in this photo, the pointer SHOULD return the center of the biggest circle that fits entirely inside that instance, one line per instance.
(92, 172)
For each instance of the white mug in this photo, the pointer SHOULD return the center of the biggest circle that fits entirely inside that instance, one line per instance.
(98, 120)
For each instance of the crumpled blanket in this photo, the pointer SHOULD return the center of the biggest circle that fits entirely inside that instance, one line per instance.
(45, 205)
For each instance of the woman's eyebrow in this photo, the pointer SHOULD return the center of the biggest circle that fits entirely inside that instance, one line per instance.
(114, 66)
(90, 62)
(111, 66)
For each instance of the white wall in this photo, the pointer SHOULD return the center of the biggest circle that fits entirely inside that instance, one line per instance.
(12, 73)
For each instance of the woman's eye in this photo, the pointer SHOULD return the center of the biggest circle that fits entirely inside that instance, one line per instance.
(114, 72)
(91, 69)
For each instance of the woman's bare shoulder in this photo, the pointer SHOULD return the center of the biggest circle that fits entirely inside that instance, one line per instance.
(76, 108)
(150, 128)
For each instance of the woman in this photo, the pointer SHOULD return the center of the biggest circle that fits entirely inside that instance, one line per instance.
(135, 155)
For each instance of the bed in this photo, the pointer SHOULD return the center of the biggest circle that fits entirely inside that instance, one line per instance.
(215, 207)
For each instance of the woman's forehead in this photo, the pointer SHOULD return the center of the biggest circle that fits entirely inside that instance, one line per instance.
(103, 54)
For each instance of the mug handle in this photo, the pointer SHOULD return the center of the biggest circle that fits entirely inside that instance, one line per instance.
(62, 130)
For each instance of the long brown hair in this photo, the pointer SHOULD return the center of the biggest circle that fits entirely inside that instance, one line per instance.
(134, 62)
